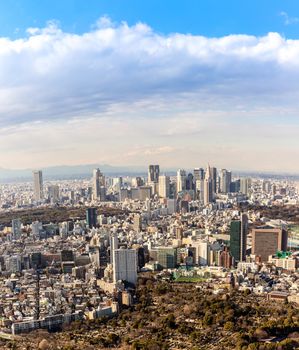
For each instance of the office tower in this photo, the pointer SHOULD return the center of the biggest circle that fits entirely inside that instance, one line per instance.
(225, 181)
(181, 180)
(14, 264)
(16, 230)
(189, 182)
(199, 174)
(36, 228)
(199, 188)
(208, 190)
(235, 186)
(91, 217)
(102, 194)
(171, 206)
(203, 253)
(36, 260)
(214, 179)
(98, 182)
(238, 238)
(153, 173)
(244, 185)
(267, 240)
(113, 245)
(137, 223)
(53, 192)
(38, 185)
(124, 194)
(144, 193)
(225, 258)
(125, 265)
(164, 186)
(117, 183)
(167, 257)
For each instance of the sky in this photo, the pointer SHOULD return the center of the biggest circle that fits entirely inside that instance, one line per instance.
(130, 83)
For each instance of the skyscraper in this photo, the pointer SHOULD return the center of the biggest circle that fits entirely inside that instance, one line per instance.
(164, 186)
(16, 228)
(208, 189)
(199, 174)
(214, 179)
(113, 245)
(53, 191)
(267, 240)
(244, 185)
(225, 181)
(190, 182)
(125, 265)
(91, 217)
(38, 185)
(98, 185)
(153, 173)
(181, 180)
(238, 238)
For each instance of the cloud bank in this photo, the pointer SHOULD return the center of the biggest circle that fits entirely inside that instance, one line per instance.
(129, 95)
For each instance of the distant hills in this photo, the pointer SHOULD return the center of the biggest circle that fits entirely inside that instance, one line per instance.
(68, 171)
(83, 171)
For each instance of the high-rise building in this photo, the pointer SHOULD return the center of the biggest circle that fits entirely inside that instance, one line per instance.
(181, 180)
(91, 217)
(267, 240)
(214, 179)
(238, 238)
(137, 223)
(225, 181)
(38, 185)
(98, 183)
(16, 230)
(167, 257)
(113, 245)
(199, 174)
(153, 173)
(190, 182)
(208, 189)
(244, 185)
(125, 265)
(164, 186)
(171, 206)
(144, 193)
(199, 186)
(53, 192)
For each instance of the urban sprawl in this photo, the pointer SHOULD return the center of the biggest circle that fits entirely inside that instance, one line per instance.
(82, 262)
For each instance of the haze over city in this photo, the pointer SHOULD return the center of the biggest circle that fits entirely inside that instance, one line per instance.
(149, 185)
(208, 83)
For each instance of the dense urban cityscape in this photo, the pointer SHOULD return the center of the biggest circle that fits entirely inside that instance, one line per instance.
(102, 235)
(149, 185)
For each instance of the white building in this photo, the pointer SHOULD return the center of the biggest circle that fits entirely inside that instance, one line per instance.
(164, 186)
(125, 265)
(38, 185)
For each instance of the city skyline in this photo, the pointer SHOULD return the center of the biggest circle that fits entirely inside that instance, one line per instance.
(114, 91)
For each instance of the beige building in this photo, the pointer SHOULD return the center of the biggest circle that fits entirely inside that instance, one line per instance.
(288, 263)
(267, 241)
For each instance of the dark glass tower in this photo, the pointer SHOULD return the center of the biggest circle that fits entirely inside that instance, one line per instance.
(91, 217)
(238, 238)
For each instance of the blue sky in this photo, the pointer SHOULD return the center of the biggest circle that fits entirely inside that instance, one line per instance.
(203, 17)
(178, 83)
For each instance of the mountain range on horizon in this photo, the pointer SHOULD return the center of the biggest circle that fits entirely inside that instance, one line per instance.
(85, 170)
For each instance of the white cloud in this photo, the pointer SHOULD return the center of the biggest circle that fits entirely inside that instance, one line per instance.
(287, 19)
(119, 89)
